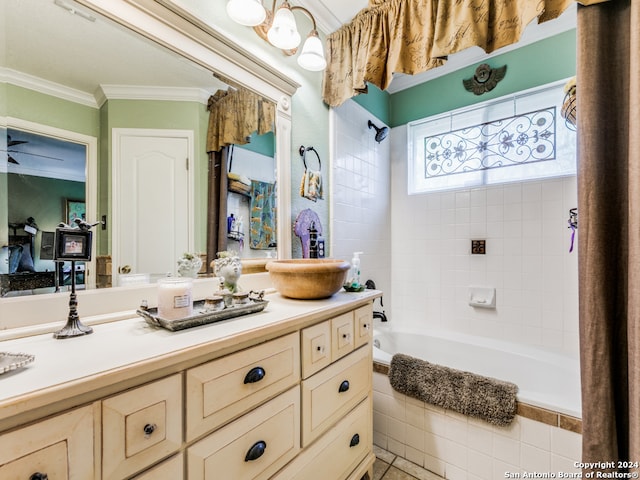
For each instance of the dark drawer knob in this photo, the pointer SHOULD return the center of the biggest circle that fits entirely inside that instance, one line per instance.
(149, 428)
(255, 375)
(256, 451)
(355, 440)
(344, 386)
(39, 476)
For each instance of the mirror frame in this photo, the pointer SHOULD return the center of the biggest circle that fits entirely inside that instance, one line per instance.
(176, 29)
(170, 26)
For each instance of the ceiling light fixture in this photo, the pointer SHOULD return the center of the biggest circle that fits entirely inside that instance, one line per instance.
(278, 27)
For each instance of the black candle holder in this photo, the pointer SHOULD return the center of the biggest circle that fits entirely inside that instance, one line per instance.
(74, 327)
(73, 244)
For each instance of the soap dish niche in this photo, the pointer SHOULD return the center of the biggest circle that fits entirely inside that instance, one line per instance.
(482, 297)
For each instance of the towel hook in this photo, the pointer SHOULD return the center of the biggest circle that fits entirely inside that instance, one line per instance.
(303, 153)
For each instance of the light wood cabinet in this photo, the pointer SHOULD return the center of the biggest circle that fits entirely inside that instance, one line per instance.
(331, 393)
(363, 325)
(316, 348)
(171, 469)
(342, 340)
(220, 390)
(253, 447)
(60, 447)
(340, 450)
(141, 426)
(291, 403)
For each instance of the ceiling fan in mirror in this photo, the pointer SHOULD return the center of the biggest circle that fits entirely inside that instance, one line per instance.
(13, 143)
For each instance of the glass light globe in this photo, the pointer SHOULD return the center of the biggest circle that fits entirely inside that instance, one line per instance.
(283, 33)
(312, 55)
(246, 12)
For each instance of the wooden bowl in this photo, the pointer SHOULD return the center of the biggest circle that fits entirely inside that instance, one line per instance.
(308, 278)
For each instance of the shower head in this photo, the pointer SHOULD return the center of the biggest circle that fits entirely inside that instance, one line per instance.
(381, 133)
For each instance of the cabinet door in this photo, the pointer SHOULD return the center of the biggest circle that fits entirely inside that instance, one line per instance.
(363, 323)
(141, 426)
(331, 393)
(221, 390)
(60, 447)
(342, 340)
(338, 452)
(253, 447)
(316, 348)
(172, 469)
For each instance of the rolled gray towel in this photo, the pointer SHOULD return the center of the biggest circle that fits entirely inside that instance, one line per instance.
(464, 392)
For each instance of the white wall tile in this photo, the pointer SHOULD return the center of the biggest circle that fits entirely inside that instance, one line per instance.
(566, 443)
(534, 459)
(525, 225)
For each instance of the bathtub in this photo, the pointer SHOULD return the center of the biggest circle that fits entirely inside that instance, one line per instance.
(545, 379)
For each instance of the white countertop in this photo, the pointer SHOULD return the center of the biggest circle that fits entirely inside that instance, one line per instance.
(119, 351)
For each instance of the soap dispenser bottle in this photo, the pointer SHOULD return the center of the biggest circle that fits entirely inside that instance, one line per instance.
(353, 277)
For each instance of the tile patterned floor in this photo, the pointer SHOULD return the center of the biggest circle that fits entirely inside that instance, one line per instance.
(389, 466)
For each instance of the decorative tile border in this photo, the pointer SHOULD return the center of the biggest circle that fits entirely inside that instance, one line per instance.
(548, 417)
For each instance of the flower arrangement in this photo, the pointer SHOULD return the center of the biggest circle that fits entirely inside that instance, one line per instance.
(189, 265)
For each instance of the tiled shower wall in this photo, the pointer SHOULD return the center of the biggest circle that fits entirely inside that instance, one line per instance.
(361, 207)
(527, 258)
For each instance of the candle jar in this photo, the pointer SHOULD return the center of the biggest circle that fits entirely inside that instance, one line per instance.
(174, 297)
(214, 303)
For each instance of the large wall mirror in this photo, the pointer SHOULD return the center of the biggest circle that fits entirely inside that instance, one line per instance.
(105, 123)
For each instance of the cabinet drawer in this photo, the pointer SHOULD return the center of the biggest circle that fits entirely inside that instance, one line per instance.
(169, 469)
(141, 426)
(60, 447)
(331, 393)
(316, 348)
(339, 451)
(342, 340)
(221, 390)
(253, 447)
(363, 323)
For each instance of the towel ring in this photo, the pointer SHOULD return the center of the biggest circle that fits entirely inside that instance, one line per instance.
(303, 153)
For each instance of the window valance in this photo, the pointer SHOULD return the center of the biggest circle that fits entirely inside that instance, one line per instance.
(413, 36)
(234, 114)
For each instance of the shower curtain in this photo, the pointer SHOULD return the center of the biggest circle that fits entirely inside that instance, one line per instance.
(608, 99)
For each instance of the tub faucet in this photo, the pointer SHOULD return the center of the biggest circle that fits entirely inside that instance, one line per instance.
(370, 284)
(381, 315)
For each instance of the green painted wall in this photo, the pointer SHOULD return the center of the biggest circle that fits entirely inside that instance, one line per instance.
(47, 110)
(262, 144)
(536, 64)
(375, 101)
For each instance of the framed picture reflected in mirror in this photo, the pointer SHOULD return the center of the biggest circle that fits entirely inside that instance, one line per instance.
(74, 209)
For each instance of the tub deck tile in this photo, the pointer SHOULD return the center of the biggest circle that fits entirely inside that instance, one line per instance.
(555, 419)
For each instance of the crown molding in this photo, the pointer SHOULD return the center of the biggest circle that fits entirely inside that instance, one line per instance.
(47, 87)
(129, 92)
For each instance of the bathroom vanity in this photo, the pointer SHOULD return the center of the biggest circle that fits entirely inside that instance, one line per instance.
(285, 394)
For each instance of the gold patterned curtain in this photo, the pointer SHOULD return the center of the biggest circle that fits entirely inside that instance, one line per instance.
(413, 36)
(234, 114)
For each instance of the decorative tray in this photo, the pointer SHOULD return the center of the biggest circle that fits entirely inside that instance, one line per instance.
(202, 316)
(11, 361)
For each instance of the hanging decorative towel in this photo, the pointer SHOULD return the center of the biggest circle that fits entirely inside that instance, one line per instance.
(262, 228)
(311, 185)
